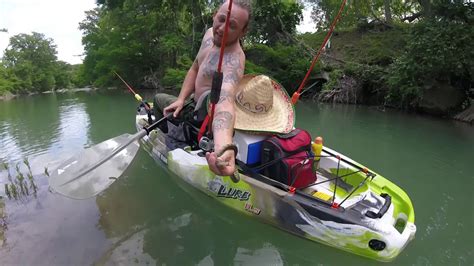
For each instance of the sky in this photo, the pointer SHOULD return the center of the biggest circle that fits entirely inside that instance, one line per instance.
(307, 25)
(56, 19)
(59, 20)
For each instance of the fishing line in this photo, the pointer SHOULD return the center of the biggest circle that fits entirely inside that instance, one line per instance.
(297, 94)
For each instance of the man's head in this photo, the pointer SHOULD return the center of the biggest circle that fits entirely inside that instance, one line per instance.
(239, 20)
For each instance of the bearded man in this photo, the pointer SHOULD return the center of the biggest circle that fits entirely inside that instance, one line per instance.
(198, 80)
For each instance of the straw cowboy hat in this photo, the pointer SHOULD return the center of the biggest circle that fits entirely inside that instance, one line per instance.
(263, 105)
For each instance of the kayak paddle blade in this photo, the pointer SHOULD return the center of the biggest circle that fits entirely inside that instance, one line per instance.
(91, 171)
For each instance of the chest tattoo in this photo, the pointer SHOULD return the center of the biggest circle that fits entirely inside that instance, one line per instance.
(211, 65)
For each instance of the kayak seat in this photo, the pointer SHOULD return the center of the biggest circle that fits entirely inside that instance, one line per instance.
(191, 127)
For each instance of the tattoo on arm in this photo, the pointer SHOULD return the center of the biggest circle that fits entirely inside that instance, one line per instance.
(222, 121)
(232, 77)
(232, 60)
(225, 96)
(234, 69)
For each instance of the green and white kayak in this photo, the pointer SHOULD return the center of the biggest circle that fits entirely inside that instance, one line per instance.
(368, 215)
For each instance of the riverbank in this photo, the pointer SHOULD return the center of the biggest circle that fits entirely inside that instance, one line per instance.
(386, 65)
(466, 115)
(9, 96)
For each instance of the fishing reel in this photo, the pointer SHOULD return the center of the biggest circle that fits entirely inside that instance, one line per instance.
(206, 144)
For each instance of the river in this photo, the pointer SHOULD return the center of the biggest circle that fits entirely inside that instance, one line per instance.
(146, 217)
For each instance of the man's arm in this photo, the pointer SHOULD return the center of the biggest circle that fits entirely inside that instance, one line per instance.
(188, 83)
(224, 117)
(186, 90)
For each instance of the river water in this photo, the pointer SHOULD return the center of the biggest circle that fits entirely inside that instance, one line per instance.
(147, 218)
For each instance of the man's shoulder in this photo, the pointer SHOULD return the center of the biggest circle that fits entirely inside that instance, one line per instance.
(208, 32)
(237, 49)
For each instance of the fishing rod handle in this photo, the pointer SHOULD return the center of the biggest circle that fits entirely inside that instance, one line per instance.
(216, 86)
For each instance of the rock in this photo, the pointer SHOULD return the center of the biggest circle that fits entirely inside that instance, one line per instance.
(466, 115)
(7, 96)
(441, 99)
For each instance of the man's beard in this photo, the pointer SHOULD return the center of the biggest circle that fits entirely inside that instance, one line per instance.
(219, 42)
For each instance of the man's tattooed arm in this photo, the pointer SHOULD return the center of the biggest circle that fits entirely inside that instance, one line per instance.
(233, 69)
(223, 120)
(226, 96)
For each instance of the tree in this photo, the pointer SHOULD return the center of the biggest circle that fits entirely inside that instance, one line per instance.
(63, 75)
(359, 12)
(388, 11)
(139, 37)
(31, 59)
(274, 21)
(154, 41)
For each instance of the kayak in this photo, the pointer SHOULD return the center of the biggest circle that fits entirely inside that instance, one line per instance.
(349, 207)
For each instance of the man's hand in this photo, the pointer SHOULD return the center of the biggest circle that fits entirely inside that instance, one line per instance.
(175, 107)
(223, 165)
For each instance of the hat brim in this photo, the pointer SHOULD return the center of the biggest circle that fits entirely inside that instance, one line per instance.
(280, 119)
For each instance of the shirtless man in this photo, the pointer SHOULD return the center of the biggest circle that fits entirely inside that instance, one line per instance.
(199, 79)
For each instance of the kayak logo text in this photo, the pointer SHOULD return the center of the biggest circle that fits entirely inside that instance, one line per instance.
(223, 191)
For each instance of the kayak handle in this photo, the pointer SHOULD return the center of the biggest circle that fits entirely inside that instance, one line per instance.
(383, 210)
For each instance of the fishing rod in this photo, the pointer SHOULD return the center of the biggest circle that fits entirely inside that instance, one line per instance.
(216, 80)
(297, 94)
(138, 98)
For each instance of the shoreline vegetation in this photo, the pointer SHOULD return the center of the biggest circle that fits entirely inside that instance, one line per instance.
(409, 55)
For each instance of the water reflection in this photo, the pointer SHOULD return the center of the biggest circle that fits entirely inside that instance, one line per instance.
(45, 130)
(28, 126)
(114, 114)
(43, 228)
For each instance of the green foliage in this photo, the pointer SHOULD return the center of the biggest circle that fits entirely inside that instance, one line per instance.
(334, 77)
(358, 13)
(148, 37)
(285, 63)
(20, 187)
(63, 75)
(77, 76)
(140, 37)
(175, 76)
(274, 21)
(439, 50)
(29, 64)
(7, 80)
(31, 59)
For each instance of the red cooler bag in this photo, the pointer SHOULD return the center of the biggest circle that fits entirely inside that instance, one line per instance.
(289, 158)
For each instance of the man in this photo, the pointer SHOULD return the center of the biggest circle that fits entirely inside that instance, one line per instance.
(199, 79)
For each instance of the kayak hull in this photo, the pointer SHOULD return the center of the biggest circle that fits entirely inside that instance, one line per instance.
(300, 213)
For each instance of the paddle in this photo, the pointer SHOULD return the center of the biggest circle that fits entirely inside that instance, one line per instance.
(94, 169)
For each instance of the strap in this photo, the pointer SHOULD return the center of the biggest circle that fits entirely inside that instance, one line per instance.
(230, 146)
(255, 175)
(289, 154)
(203, 128)
(289, 135)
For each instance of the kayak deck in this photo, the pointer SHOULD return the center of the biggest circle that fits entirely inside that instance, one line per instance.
(349, 207)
